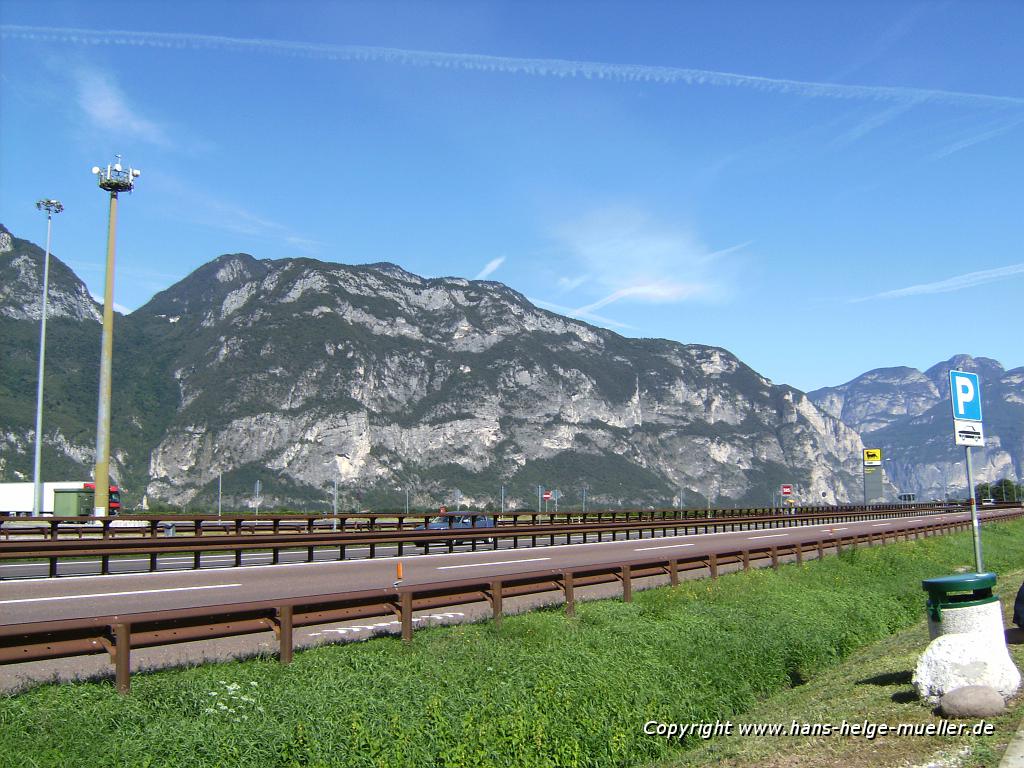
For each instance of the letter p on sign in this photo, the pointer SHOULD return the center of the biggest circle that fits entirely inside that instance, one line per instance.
(966, 395)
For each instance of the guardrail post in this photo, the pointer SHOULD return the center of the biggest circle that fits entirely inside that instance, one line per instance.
(713, 565)
(152, 561)
(570, 594)
(122, 657)
(627, 584)
(775, 558)
(238, 558)
(196, 560)
(799, 554)
(104, 565)
(405, 613)
(746, 559)
(496, 607)
(673, 572)
(284, 622)
(53, 567)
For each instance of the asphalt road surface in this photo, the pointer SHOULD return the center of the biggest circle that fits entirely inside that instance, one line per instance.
(30, 600)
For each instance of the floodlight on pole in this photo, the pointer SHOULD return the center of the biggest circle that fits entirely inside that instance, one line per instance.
(51, 207)
(113, 179)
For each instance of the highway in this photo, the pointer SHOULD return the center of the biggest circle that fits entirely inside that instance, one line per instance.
(29, 600)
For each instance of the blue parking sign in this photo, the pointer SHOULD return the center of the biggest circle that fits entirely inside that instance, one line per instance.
(965, 393)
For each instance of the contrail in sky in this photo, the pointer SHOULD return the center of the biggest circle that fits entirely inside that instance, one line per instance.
(590, 70)
(957, 283)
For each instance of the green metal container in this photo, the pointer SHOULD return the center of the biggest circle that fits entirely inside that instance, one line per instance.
(72, 502)
(964, 590)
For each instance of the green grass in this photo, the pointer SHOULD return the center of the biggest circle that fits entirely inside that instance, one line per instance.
(542, 690)
(874, 684)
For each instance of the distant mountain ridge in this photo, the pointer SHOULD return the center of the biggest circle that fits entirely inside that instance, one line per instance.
(302, 373)
(907, 413)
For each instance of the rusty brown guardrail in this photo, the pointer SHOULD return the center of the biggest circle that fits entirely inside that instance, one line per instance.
(151, 547)
(119, 634)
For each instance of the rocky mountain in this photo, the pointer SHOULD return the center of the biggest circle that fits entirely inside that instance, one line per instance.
(303, 373)
(21, 280)
(907, 413)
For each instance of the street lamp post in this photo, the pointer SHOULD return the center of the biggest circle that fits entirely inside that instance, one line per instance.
(51, 207)
(112, 179)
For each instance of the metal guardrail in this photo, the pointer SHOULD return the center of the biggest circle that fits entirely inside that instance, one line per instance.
(199, 525)
(53, 550)
(119, 634)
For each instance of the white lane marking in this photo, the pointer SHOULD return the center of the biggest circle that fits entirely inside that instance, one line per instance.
(500, 562)
(667, 546)
(879, 525)
(772, 536)
(691, 524)
(116, 594)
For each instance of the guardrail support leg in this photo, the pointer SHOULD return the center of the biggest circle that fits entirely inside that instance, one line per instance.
(799, 554)
(775, 558)
(104, 565)
(152, 561)
(570, 594)
(821, 549)
(673, 572)
(496, 607)
(196, 560)
(405, 611)
(122, 657)
(713, 565)
(284, 621)
(746, 559)
(627, 584)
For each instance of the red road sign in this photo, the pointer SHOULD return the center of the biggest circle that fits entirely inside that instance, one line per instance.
(786, 490)
(547, 495)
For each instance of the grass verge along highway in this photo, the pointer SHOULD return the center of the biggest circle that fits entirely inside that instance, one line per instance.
(541, 689)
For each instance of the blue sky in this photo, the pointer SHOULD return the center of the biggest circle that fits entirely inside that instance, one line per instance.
(820, 188)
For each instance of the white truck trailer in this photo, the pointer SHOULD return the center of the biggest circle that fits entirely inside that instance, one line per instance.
(16, 498)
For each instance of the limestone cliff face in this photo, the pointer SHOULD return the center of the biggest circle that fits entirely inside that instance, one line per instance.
(303, 374)
(21, 281)
(907, 413)
(375, 376)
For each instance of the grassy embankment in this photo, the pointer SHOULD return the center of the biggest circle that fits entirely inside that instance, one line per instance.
(542, 690)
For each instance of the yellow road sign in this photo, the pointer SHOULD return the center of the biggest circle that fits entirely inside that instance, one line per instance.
(872, 457)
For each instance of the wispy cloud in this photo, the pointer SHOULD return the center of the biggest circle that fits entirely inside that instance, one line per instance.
(581, 314)
(562, 68)
(201, 207)
(107, 108)
(872, 123)
(572, 283)
(977, 138)
(958, 283)
(627, 255)
(490, 267)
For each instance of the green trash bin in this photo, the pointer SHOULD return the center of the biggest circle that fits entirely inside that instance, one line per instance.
(963, 603)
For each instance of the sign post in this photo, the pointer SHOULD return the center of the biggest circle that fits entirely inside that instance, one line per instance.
(965, 397)
(872, 472)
